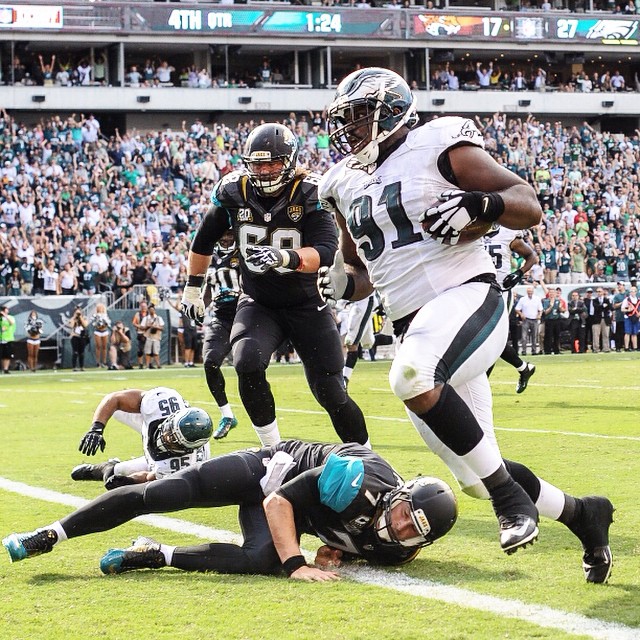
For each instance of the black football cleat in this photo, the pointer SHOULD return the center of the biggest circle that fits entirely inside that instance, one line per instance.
(525, 374)
(144, 553)
(20, 546)
(517, 532)
(517, 515)
(593, 519)
(100, 471)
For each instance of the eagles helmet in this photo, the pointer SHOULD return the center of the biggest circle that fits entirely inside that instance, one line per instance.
(433, 510)
(369, 105)
(266, 144)
(184, 431)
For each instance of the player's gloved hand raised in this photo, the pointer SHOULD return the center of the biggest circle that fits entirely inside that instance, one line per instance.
(333, 281)
(93, 440)
(512, 279)
(457, 209)
(193, 304)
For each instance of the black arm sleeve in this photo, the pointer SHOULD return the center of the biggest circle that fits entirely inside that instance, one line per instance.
(321, 234)
(214, 224)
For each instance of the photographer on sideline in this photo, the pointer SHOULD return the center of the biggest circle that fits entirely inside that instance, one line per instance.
(79, 337)
(120, 349)
(7, 335)
(153, 326)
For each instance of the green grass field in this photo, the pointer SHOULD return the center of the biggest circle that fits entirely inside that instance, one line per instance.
(576, 426)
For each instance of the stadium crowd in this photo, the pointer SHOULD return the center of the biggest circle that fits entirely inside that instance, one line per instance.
(30, 69)
(82, 213)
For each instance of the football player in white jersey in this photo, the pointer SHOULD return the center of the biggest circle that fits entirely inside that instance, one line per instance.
(402, 197)
(359, 332)
(500, 242)
(174, 436)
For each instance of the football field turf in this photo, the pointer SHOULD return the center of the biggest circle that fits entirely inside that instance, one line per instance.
(576, 426)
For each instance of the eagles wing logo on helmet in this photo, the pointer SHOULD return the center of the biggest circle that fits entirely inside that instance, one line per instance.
(370, 105)
(184, 431)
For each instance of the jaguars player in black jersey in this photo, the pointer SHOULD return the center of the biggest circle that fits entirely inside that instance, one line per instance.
(283, 236)
(223, 291)
(345, 494)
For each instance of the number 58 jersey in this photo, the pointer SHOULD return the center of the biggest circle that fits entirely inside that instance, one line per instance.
(381, 210)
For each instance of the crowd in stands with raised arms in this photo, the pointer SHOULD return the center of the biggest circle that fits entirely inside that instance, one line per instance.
(82, 213)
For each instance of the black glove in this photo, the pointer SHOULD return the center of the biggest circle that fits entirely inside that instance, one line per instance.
(118, 481)
(93, 440)
(512, 280)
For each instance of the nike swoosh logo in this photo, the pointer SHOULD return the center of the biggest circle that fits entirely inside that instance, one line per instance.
(355, 481)
(322, 307)
(485, 204)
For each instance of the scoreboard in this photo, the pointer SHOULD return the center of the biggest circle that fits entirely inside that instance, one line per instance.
(410, 25)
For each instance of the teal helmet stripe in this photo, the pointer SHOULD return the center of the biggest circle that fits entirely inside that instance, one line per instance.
(471, 335)
(340, 481)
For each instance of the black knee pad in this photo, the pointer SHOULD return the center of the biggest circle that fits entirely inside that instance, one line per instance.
(209, 365)
(169, 494)
(247, 357)
(329, 390)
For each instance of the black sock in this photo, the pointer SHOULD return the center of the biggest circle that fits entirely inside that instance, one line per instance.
(351, 359)
(511, 356)
(453, 422)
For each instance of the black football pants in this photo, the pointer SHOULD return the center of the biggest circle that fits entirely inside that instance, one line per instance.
(232, 479)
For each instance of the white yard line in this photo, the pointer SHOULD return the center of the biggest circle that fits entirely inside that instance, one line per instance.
(507, 608)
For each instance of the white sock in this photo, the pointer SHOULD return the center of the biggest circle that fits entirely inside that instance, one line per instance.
(127, 467)
(551, 500)
(268, 434)
(346, 372)
(57, 527)
(522, 367)
(167, 551)
(367, 444)
(226, 411)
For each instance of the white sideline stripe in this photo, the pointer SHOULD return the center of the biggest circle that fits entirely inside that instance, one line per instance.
(533, 613)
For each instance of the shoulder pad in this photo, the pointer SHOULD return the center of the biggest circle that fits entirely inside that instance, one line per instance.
(450, 131)
(226, 190)
(340, 481)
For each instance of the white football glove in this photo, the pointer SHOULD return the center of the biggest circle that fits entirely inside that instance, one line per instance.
(333, 280)
(445, 221)
(193, 304)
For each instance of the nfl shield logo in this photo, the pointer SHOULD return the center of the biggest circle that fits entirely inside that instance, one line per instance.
(267, 217)
(295, 212)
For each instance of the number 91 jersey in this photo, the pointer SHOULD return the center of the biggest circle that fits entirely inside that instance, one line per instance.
(291, 220)
(381, 209)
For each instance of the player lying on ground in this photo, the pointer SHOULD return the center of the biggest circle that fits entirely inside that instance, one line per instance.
(174, 436)
(345, 494)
